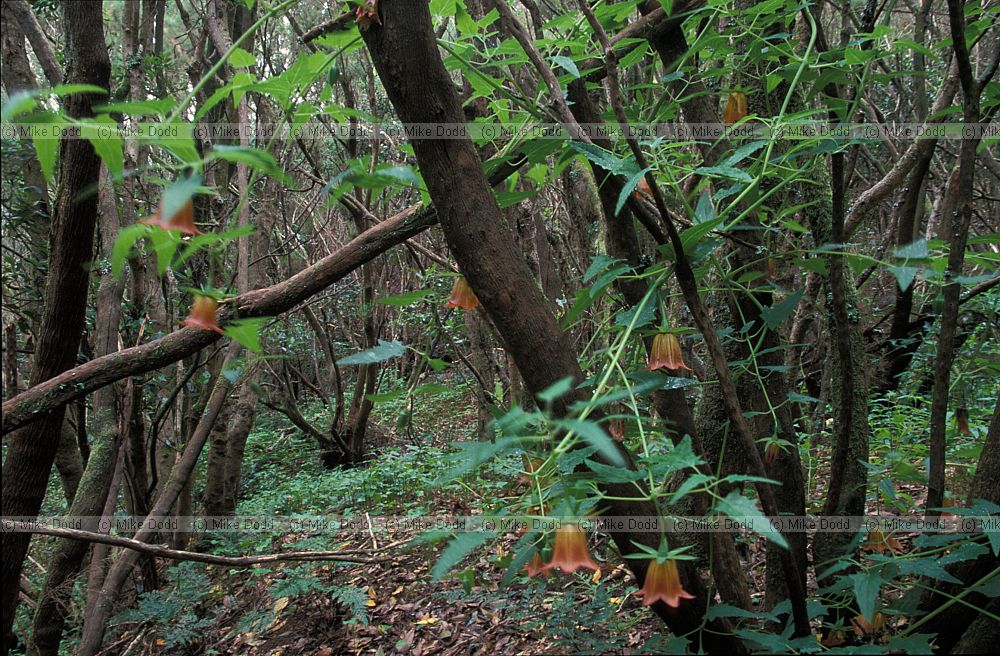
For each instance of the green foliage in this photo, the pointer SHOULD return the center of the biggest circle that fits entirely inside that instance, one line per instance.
(176, 612)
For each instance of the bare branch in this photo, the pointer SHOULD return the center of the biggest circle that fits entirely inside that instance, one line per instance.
(161, 551)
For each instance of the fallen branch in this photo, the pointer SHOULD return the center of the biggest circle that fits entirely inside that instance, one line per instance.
(161, 551)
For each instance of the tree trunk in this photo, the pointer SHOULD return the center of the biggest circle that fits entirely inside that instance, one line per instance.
(959, 220)
(952, 622)
(96, 619)
(50, 616)
(405, 55)
(32, 449)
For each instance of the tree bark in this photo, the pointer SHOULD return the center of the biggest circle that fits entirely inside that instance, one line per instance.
(31, 449)
(95, 622)
(959, 229)
(951, 621)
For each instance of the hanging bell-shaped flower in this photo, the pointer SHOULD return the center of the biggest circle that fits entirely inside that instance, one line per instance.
(879, 542)
(462, 296)
(863, 627)
(642, 190)
(663, 583)
(771, 452)
(203, 314)
(537, 567)
(666, 352)
(617, 429)
(962, 420)
(571, 551)
(736, 108)
(181, 220)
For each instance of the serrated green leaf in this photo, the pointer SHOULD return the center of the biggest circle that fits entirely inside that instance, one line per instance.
(594, 435)
(866, 588)
(568, 65)
(739, 507)
(775, 315)
(556, 390)
(246, 332)
(124, 243)
(612, 474)
(384, 351)
(406, 298)
(461, 546)
(240, 58)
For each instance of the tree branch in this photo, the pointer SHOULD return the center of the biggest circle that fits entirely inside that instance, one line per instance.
(161, 551)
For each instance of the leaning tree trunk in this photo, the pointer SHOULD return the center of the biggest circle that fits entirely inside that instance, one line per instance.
(50, 615)
(405, 54)
(32, 448)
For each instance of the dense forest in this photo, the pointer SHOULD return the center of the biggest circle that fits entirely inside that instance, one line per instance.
(473, 326)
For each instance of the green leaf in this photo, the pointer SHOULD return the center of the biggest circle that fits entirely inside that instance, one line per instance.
(124, 243)
(165, 243)
(595, 436)
(568, 65)
(705, 211)
(630, 185)
(247, 332)
(69, 89)
(624, 318)
(431, 388)
(474, 454)
(556, 390)
(605, 158)
(46, 149)
(240, 58)
(406, 298)
(724, 172)
(599, 263)
(176, 196)
(457, 550)
(866, 589)
(690, 483)
(384, 351)
(739, 507)
(154, 107)
(20, 102)
(255, 158)
(680, 457)
(614, 474)
(904, 275)
(725, 610)
(775, 315)
(913, 251)
(387, 396)
(102, 133)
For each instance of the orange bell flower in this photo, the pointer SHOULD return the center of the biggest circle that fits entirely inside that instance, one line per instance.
(570, 551)
(642, 190)
(736, 108)
(863, 627)
(771, 452)
(617, 429)
(663, 583)
(182, 220)
(537, 567)
(879, 542)
(962, 420)
(666, 352)
(203, 314)
(462, 296)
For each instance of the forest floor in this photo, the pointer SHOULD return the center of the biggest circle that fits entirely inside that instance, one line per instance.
(395, 605)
